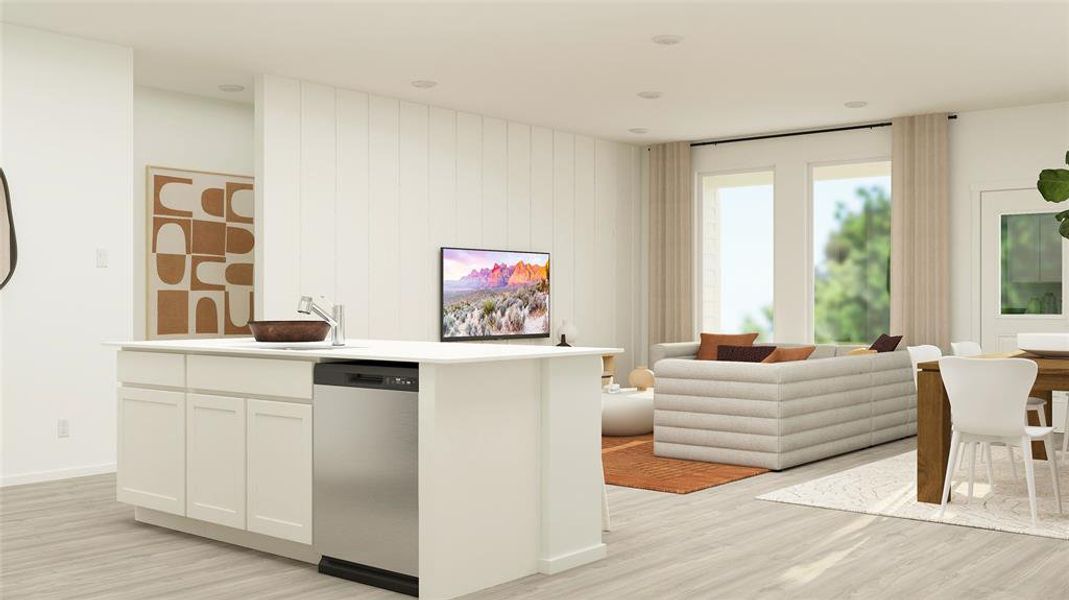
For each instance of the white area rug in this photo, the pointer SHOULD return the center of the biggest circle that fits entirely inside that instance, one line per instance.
(889, 488)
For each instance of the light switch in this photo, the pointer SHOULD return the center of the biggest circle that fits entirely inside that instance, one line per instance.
(102, 258)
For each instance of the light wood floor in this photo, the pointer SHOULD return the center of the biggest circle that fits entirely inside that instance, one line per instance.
(70, 539)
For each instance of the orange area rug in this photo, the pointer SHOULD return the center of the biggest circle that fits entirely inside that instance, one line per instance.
(629, 462)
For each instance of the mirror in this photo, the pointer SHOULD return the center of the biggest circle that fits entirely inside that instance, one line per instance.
(8, 249)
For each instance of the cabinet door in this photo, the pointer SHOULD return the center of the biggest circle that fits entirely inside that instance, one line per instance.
(152, 449)
(280, 469)
(215, 459)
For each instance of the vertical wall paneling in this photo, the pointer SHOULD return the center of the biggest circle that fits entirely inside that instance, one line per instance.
(442, 196)
(584, 234)
(317, 187)
(606, 161)
(639, 276)
(357, 193)
(495, 183)
(278, 210)
(383, 235)
(542, 190)
(415, 302)
(625, 239)
(519, 187)
(562, 263)
(351, 211)
(469, 188)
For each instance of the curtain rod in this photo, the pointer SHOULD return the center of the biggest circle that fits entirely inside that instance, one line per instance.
(794, 133)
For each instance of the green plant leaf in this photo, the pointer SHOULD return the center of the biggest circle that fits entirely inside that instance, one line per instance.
(1063, 223)
(1053, 184)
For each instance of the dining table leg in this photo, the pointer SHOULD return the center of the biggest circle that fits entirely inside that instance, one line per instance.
(933, 436)
(1038, 451)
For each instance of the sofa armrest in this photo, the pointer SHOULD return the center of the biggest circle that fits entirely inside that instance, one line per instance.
(672, 350)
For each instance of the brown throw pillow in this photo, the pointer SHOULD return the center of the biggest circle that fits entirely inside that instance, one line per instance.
(886, 343)
(744, 353)
(790, 354)
(710, 342)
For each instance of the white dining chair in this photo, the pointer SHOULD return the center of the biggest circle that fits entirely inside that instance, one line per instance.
(987, 398)
(1039, 405)
(924, 353)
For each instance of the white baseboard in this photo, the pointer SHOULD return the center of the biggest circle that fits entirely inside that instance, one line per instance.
(551, 566)
(39, 476)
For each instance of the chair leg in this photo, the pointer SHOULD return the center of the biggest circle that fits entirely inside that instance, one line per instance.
(1013, 461)
(1030, 477)
(955, 450)
(987, 455)
(1052, 460)
(972, 469)
(1065, 433)
(1042, 416)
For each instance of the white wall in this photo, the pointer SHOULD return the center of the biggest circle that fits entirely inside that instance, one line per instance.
(791, 159)
(1003, 146)
(67, 110)
(357, 192)
(183, 132)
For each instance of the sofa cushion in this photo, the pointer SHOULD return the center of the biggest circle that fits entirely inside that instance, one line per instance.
(754, 354)
(886, 343)
(782, 354)
(710, 342)
(861, 351)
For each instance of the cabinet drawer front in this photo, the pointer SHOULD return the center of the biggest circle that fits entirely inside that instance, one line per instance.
(152, 368)
(252, 376)
(215, 459)
(152, 444)
(279, 469)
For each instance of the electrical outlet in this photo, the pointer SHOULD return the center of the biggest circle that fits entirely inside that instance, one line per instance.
(63, 428)
(102, 258)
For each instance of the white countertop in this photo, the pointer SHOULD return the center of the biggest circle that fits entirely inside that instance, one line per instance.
(387, 350)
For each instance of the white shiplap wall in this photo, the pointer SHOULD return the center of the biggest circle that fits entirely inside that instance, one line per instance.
(357, 193)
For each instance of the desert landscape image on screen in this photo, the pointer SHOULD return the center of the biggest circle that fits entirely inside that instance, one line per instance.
(490, 293)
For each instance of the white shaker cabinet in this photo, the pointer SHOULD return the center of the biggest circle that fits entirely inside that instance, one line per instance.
(279, 464)
(152, 442)
(215, 459)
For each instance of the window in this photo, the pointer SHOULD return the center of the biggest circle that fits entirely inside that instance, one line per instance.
(1031, 250)
(736, 253)
(851, 251)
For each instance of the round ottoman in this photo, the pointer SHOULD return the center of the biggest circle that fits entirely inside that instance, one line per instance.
(628, 412)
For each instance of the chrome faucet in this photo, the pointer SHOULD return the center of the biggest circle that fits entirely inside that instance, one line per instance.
(335, 318)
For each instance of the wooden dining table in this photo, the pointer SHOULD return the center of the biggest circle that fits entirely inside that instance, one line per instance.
(933, 417)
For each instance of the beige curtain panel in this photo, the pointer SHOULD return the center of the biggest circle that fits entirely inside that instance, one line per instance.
(920, 230)
(671, 252)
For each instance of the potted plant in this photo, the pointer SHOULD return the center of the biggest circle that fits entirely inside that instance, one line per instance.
(1053, 184)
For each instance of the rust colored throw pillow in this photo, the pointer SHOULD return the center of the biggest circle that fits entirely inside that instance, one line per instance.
(744, 353)
(886, 343)
(711, 341)
(860, 352)
(790, 354)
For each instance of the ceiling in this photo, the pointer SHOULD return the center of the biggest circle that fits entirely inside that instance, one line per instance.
(742, 68)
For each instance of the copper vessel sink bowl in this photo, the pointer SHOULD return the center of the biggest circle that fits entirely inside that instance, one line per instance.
(289, 331)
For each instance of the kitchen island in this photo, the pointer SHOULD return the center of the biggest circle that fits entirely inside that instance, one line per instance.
(216, 439)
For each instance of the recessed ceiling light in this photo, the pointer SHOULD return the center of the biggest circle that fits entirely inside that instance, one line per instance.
(856, 104)
(649, 95)
(667, 39)
(424, 84)
(638, 130)
(231, 88)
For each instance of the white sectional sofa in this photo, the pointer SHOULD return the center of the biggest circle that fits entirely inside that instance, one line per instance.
(779, 415)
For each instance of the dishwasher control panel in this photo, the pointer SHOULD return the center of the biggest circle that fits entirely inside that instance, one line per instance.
(371, 375)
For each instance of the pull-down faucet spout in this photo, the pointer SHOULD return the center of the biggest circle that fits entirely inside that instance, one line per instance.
(335, 318)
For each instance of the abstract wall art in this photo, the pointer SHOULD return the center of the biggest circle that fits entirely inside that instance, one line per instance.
(200, 253)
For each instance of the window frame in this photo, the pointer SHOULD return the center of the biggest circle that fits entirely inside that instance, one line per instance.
(811, 262)
(698, 250)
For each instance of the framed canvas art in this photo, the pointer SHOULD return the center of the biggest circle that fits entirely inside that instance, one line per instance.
(200, 253)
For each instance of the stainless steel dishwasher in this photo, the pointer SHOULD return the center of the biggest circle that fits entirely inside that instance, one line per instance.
(366, 465)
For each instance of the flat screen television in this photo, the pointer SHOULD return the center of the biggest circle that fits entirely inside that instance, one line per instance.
(494, 294)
